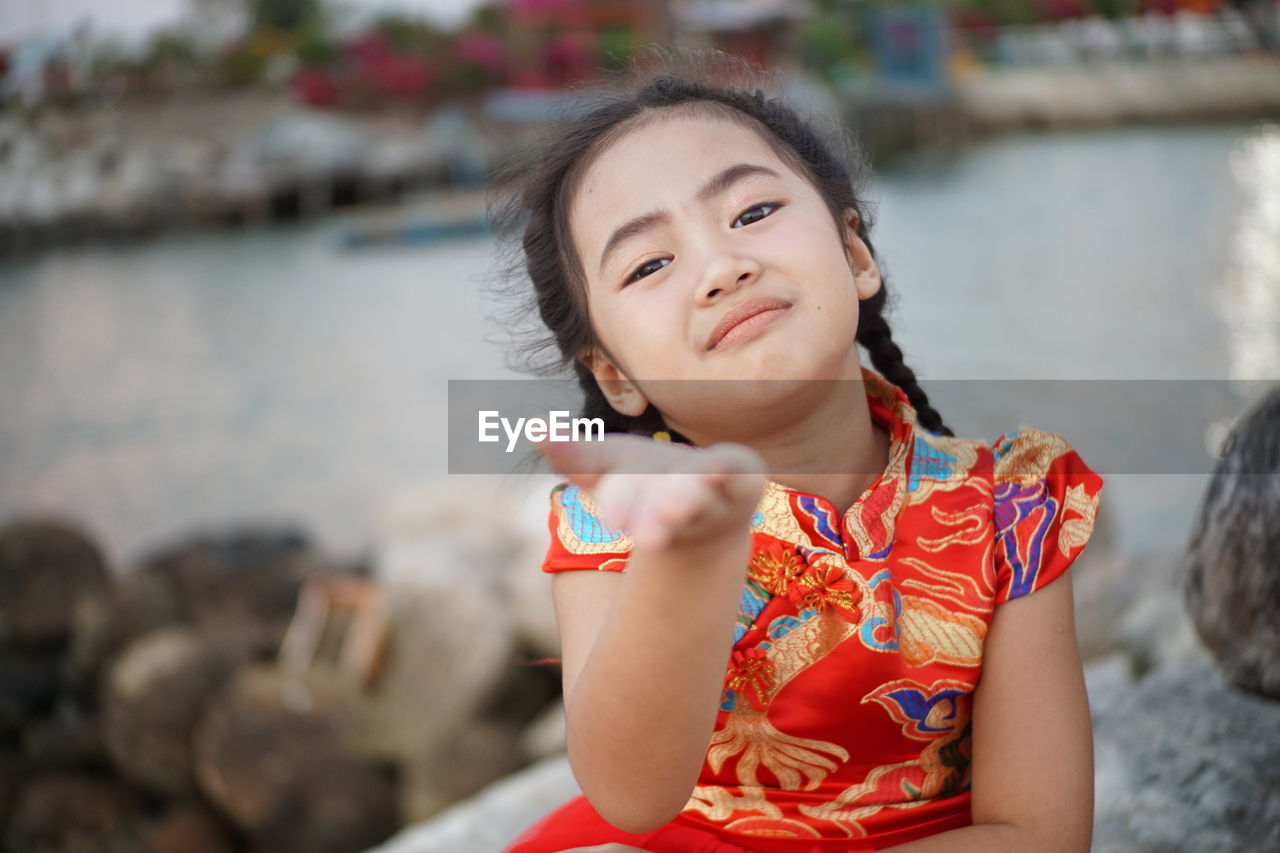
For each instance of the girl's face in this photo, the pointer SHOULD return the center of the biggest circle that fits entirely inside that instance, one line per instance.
(706, 257)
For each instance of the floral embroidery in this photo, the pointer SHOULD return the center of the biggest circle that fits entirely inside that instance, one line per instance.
(821, 587)
(776, 567)
(750, 675)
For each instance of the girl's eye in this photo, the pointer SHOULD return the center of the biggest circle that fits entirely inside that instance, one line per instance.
(640, 270)
(755, 214)
(648, 268)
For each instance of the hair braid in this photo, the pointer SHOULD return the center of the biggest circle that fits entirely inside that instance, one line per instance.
(874, 334)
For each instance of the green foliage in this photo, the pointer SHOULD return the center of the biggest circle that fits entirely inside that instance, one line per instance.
(289, 15)
(832, 41)
(315, 47)
(174, 47)
(246, 64)
(410, 36)
(615, 48)
(488, 18)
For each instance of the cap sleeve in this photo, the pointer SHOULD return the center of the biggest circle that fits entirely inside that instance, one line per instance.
(1046, 499)
(579, 538)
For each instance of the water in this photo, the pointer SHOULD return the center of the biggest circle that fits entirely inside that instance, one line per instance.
(199, 381)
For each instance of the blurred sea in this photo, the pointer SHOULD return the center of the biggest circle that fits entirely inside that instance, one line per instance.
(198, 381)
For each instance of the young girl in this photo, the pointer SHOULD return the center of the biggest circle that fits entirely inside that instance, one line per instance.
(796, 614)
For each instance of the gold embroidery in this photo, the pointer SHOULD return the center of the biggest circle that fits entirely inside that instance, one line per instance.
(776, 519)
(763, 827)
(960, 588)
(719, 804)
(588, 519)
(1030, 456)
(966, 456)
(797, 763)
(974, 523)
(944, 768)
(930, 632)
(1075, 532)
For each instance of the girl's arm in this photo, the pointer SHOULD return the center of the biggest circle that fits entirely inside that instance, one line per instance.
(644, 657)
(1032, 739)
(644, 652)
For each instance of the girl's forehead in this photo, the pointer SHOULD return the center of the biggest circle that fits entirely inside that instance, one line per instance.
(660, 164)
(673, 149)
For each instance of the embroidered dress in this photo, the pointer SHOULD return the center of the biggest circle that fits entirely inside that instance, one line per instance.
(844, 721)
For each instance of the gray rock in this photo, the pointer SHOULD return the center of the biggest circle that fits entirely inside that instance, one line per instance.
(1106, 679)
(1157, 634)
(1186, 764)
(1233, 562)
(493, 818)
(545, 736)
(46, 566)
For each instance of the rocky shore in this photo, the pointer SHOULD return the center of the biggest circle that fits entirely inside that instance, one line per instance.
(205, 159)
(233, 689)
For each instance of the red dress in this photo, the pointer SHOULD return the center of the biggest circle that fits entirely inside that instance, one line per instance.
(845, 718)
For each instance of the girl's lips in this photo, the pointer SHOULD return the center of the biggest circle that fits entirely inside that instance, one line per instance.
(740, 313)
(750, 327)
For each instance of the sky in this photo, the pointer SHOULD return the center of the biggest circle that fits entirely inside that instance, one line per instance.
(132, 20)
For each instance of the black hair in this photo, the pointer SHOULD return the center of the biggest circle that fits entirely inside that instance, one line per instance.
(532, 196)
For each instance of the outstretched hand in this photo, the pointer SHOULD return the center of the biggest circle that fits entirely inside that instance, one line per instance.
(664, 495)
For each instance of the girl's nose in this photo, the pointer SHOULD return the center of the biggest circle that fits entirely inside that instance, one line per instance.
(726, 272)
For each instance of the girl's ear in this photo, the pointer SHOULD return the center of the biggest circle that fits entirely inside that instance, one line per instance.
(866, 275)
(623, 395)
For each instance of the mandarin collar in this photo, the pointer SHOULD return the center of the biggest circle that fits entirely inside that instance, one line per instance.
(867, 528)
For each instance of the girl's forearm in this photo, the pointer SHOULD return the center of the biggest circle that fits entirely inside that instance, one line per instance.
(644, 704)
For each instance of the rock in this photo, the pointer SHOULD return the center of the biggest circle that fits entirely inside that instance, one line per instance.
(240, 583)
(1156, 632)
(474, 755)
(29, 685)
(441, 564)
(96, 636)
(341, 805)
(13, 770)
(264, 734)
(530, 589)
(46, 565)
(545, 736)
(1186, 764)
(188, 827)
(1233, 564)
(62, 812)
(152, 697)
(69, 738)
(1106, 679)
(493, 818)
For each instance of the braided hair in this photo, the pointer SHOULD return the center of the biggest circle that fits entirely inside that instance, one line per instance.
(529, 210)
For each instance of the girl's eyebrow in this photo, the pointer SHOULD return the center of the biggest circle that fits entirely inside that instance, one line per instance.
(719, 183)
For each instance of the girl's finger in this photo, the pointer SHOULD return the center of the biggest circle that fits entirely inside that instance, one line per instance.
(673, 502)
(583, 463)
(615, 496)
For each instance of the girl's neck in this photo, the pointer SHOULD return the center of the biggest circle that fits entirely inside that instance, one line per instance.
(840, 436)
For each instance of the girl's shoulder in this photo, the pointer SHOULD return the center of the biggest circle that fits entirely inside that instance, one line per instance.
(1044, 502)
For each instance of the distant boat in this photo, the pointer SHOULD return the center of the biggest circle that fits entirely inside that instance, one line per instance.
(428, 221)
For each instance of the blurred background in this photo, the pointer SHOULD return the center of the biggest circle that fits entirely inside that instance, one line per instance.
(243, 250)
